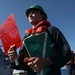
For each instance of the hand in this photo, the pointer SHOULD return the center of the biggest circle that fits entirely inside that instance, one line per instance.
(38, 63)
(12, 53)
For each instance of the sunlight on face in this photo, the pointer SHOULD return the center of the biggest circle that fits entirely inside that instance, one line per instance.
(35, 17)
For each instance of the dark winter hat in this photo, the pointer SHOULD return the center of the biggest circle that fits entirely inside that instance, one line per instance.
(36, 7)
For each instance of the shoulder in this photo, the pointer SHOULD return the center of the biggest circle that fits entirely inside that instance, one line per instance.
(53, 30)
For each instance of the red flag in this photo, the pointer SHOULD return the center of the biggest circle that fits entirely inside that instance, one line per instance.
(9, 33)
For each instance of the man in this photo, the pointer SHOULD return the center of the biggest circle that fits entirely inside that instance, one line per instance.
(38, 19)
(70, 66)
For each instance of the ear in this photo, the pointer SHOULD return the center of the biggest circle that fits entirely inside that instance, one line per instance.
(42, 16)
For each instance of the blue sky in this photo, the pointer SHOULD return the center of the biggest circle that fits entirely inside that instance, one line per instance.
(61, 13)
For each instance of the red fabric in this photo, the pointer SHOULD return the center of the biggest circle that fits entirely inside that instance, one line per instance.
(9, 33)
(40, 27)
(73, 56)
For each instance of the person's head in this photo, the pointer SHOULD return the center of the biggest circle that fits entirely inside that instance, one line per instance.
(35, 14)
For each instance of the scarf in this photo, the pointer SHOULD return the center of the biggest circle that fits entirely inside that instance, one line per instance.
(40, 27)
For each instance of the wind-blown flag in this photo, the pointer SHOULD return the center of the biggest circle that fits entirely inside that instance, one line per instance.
(9, 33)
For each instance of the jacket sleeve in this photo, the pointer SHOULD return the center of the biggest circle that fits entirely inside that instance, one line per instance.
(22, 54)
(61, 46)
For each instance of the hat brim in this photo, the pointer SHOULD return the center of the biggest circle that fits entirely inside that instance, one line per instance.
(30, 9)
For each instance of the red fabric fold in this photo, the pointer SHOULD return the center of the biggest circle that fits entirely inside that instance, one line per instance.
(40, 27)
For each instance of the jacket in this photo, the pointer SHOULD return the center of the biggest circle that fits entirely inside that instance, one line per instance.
(62, 56)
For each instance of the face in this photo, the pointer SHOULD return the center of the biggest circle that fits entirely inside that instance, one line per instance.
(34, 17)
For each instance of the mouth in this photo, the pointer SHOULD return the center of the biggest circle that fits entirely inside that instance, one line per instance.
(31, 19)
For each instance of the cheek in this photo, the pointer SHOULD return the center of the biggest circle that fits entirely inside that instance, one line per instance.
(36, 17)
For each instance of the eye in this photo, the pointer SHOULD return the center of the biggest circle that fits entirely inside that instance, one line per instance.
(33, 12)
